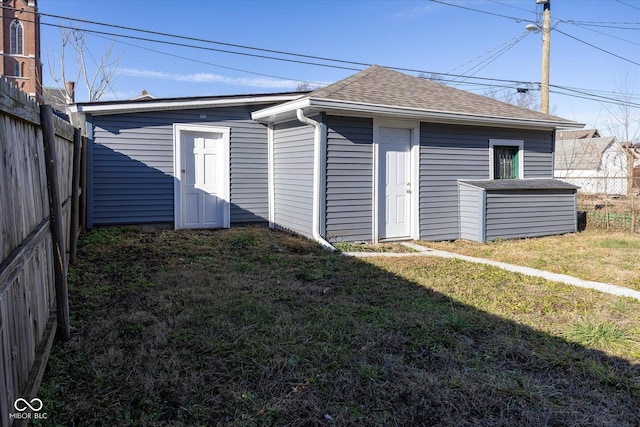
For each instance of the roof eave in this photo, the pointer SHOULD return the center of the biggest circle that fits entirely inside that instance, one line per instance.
(160, 105)
(311, 105)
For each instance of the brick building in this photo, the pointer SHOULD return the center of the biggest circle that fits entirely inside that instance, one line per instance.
(20, 32)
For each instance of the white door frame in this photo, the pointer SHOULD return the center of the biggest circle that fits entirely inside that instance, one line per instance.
(414, 127)
(178, 130)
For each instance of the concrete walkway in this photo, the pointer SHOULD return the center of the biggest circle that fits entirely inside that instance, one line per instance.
(554, 277)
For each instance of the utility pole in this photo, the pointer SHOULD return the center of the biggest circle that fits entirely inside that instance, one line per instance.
(546, 47)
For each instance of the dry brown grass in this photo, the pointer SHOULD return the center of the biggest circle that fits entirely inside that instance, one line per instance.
(250, 327)
(611, 257)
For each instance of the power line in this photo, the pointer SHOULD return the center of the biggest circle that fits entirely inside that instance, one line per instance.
(627, 4)
(453, 80)
(360, 64)
(605, 92)
(600, 97)
(596, 47)
(165, 42)
(587, 23)
(608, 35)
(512, 6)
(195, 39)
(524, 20)
(593, 98)
(452, 77)
(211, 63)
(479, 11)
(485, 63)
(485, 53)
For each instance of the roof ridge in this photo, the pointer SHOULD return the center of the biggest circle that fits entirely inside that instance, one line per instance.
(341, 84)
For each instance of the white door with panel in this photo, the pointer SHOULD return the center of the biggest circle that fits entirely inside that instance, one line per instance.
(204, 179)
(394, 183)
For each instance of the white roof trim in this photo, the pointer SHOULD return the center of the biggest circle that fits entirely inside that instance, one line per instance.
(153, 105)
(272, 113)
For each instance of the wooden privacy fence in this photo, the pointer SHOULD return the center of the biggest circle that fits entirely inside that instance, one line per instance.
(40, 163)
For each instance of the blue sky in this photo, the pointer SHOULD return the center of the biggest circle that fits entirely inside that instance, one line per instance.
(420, 35)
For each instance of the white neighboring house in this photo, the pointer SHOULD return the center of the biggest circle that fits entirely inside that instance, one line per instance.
(599, 165)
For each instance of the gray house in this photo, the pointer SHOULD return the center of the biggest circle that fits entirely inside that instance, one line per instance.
(378, 156)
(597, 165)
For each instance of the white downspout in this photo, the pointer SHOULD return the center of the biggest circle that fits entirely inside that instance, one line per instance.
(317, 155)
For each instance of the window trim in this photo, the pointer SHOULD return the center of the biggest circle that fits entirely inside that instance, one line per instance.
(519, 144)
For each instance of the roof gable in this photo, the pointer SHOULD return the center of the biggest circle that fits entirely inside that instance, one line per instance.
(579, 134)
(581, 154)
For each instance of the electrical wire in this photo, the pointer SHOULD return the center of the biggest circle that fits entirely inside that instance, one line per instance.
(478, 10)
(590, 24)
(512, 6)
(627, 4)
(596, 47)
(485, 63)
(360, 64)
(555, 29)
(483, 54)
(451, 80)
(452, 77)
(211, 63)
(195, 39)
(586, 27)
(600, 97)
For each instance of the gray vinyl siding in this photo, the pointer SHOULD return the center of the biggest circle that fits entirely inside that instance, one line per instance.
(471, 213)
(447, 153)
(132, 160)
(530, 213)
(293, 176)
(349, 179)
(487, 214)
(452, 152)
(538, 154)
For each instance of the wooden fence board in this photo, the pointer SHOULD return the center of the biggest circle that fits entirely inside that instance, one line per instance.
(32, 279)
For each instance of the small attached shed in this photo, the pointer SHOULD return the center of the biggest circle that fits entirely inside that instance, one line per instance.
(511, 208)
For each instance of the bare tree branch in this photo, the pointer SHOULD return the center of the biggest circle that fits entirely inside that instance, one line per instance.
(96, 76)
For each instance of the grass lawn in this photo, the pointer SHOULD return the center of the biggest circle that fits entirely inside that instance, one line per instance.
(611, 257)
(252, 327)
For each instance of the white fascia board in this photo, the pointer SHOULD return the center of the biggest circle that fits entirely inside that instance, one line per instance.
(144, 106)
(287, 110)
(437, 116)
(272, 114)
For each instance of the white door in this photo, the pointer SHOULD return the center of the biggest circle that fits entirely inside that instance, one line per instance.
(204, 179)
(394, 168)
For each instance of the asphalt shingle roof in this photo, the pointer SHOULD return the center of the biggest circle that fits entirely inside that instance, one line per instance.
(382, 86)
(578, 134)
(580, 154)
(522, 184)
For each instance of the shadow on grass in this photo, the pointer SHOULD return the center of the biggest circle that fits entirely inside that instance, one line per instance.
(256, 327)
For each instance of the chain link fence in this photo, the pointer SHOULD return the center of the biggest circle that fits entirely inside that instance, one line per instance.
(610, 203)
